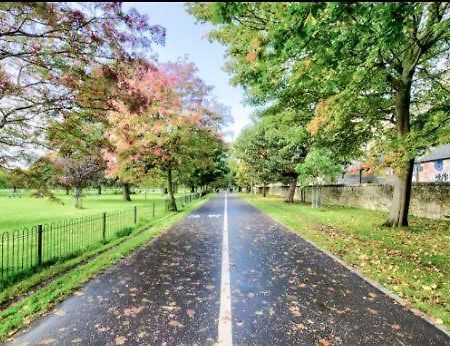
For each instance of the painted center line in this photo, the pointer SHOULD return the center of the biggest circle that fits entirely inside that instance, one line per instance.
(225, 326)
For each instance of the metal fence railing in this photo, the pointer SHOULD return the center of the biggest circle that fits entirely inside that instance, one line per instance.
(21, 251)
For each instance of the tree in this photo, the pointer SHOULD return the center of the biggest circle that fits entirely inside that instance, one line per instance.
(40, 177)
(161, 123)
(3, 178)
(80, 173)
(16, 179)
(47, 51)
(253, 152)
(319, 167)
(361, 66)
(273, 147)
(77, 141)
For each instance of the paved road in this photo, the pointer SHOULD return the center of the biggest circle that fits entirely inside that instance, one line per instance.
(281, 291)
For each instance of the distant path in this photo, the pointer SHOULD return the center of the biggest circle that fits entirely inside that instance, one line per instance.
(281, 291)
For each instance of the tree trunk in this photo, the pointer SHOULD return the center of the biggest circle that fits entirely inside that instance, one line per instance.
(78, 197)
(192, 189)
(398, 216)
(126, 192)
(99, 190)
(303, 194)
(172, 203)
(291, 191)
(67, 191)
(313, 196)
(264, 190)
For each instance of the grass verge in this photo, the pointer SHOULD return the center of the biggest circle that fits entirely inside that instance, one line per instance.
(413, 262)
(23, 311)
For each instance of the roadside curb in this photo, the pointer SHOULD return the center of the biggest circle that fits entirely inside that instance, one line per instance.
(355, 271)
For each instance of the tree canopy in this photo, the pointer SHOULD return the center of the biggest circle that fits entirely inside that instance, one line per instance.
(367, 72)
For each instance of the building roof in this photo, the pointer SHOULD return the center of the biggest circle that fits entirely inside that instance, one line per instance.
(437, 153)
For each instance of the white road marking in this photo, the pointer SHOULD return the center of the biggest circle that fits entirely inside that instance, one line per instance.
(195, 216)
(225, 322)
(214, 215)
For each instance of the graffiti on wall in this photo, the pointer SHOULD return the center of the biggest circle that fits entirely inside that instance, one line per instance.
(439, 167)
(440, 177)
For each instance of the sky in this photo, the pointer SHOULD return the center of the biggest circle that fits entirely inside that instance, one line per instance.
(185, 38)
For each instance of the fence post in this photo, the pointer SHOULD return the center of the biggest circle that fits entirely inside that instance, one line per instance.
(104, 227)
(39, 245)
(153, 209)
(135, 214)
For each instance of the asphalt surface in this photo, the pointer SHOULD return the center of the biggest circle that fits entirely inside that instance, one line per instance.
(283, 292)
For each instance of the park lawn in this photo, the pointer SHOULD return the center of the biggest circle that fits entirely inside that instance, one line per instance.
(27, 211)
(413, 262)
(22, 312)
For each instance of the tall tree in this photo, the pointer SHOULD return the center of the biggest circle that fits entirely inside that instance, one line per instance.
(370, 70)
(161, 123)
(47, 50)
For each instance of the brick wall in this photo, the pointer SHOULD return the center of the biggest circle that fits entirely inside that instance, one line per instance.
(430, 200)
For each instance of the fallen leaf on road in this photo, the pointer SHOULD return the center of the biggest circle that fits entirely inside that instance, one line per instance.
(190, 313)
(295, 311)
(175, 324)
(298, 326)
(324, 342)
(372, 311)
(395, 326)
(120, 340)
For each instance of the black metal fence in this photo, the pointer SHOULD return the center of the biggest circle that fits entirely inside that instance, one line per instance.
(21, 251)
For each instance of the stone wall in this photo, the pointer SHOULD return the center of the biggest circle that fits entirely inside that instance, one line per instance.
(430, 200)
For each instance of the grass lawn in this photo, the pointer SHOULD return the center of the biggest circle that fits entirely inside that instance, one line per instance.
(21, 312)
(67, 231)
(414, 263)
(26, 211)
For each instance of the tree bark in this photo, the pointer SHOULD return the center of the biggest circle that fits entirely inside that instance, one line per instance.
(126, 192)
(302, 194)
(292, 187)
(398, 216)
(172, 202)
(264, 190)
(78, 197)
(192, 189)
(67, 191)
(99, 190)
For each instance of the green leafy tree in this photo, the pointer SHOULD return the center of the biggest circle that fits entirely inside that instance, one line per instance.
(253, 151)
(3, 178)
(369, 72)
(319, 168)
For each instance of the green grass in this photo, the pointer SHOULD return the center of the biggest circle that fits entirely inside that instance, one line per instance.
(76, 232)
(31, 306)
(26, 211)
(414, 262)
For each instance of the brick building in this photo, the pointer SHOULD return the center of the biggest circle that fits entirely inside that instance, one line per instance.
(433, 166)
